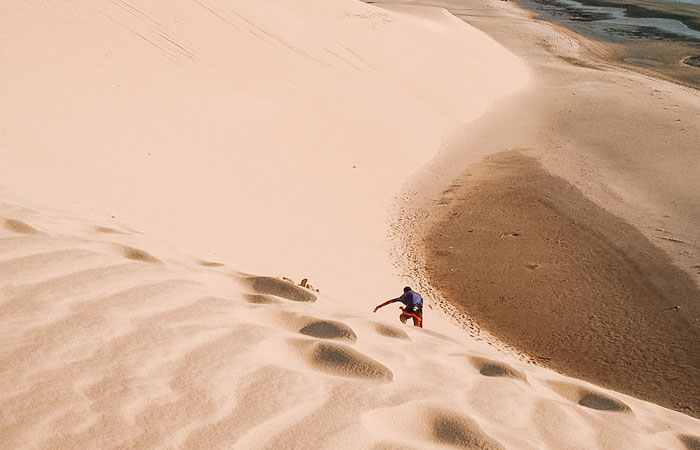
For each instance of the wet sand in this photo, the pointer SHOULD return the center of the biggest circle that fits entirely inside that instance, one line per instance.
(675, 61)
(529, 258)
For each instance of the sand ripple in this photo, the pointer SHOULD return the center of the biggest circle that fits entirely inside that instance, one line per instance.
(113, 340)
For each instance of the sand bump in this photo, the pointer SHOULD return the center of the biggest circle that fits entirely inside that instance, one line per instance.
(210, 263)
(329, 329)
(589, 398)
(461, 432)
(389, 331)
(341, 360)
(491, 368)
(139, 255)
(17, 226)
(261, 299)
(108, 230)
(595, 400)
(279, 288)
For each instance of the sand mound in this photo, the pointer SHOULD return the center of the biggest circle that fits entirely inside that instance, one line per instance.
(261, 299)
(435, 424)
(17, 226)
(589, 398)
(461, 432)
(389, 331)
(595, 400)
(490, 368)
(342, 360)
(139, 255)
(102, 229)
(329, 329)
(279, 288)
(210, 264)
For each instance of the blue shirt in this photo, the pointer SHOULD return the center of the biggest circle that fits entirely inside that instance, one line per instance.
(411, 299)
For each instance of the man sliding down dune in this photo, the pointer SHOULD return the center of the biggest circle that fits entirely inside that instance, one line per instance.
(413, 308)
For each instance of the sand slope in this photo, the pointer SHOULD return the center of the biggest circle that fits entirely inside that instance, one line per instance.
(115, 339)
(275, 133)
(536, 263)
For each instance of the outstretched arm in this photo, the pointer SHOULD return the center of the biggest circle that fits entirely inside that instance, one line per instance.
(388, 302)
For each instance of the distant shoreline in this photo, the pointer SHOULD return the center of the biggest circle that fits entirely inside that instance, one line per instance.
(656, 47)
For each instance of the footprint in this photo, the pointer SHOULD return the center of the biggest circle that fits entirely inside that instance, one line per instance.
(17, 226)
(341, 360)
(329, 329)
(589, 398)
(139, 255)
(389, 331)
(690, 442)
(462, 432)
(490, 368)
(279, 288)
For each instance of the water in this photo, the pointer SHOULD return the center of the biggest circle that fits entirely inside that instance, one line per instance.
(610, 21)
(688, 2)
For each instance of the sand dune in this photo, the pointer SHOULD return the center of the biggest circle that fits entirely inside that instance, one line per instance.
(164, 164)
(104, 350)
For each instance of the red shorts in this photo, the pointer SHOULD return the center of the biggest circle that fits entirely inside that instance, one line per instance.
(412, 313)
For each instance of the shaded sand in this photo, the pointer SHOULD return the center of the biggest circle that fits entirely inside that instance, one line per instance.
(625, 142)
(536, 263)
(329, 329)
(674, 60)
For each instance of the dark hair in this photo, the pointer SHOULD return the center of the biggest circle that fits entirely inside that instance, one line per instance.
(406, 289)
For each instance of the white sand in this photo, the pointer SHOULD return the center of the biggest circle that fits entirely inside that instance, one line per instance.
(144, 141)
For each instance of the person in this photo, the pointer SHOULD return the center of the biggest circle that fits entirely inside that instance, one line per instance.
(412, 309)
